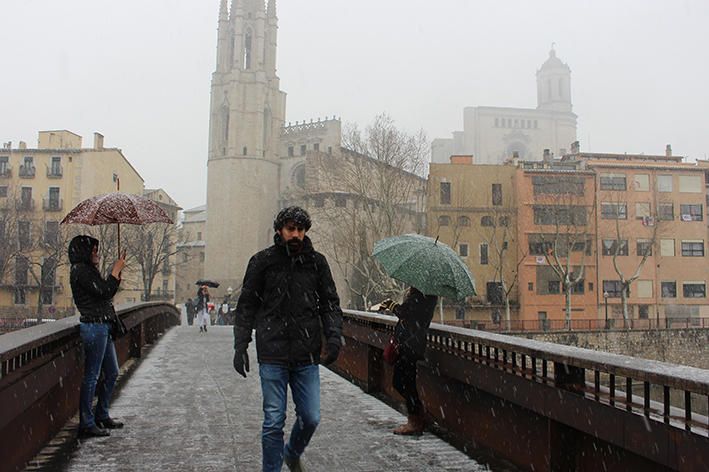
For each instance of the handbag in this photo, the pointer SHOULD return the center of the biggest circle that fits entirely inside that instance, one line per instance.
(391, 351)
(118, 328)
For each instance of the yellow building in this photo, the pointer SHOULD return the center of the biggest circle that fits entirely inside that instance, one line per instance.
(472, 208)
(38, 186)
(190, 253)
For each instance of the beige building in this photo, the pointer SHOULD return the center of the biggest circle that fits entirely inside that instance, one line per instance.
(38, 186)
(472, 208)
(191, 253)
(492, 134)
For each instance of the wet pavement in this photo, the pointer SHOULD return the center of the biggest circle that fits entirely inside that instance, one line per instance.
(186, 409)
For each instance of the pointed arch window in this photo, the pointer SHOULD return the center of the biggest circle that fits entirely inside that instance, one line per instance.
(248, 39)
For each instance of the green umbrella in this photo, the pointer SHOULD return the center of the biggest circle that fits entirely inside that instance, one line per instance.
(425, 263)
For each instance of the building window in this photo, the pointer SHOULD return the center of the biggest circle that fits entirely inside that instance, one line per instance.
(245, 150)
(20, 298)
(693, 248)
(316, 147)
(340, 201)
(463, 221)
(666, 211)
(694, 290)
(641, 182)
(643, 312)
(642, 210)
(667, 247)
(23, 234)
(566, 185)
(199, 235)
(444, 220)
(487, 221)
(497, 194)
(201, 257)
(299, 176)
(291, 151)
(21, 268)
(53, 202)
(246, 53)
(445, 193)
(560, 214)
(51, 232)
(691, 212)
(530, 286)
(613, 288)
(483, 254)
(690, 184)
(664, 183)
(3, 191)
(668, 289)
(613, 182)
(504, 221)
(497, 122)
(644, 288)
(611, 246)
(4, 168)
(614, 211)
(303, 148)
(55, 169)
(643, 247)
(463, 249)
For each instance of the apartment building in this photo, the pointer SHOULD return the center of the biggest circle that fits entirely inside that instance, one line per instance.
(38, 186)
(190, 253)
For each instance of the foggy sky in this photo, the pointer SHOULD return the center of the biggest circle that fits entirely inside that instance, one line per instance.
(139, 71)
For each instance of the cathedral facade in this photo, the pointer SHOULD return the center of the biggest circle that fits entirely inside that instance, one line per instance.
(494, 134)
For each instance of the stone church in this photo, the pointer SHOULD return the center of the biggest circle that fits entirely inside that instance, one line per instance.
(257, 163)
(493, 134)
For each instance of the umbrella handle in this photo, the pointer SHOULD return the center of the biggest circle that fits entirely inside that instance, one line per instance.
(119, 240)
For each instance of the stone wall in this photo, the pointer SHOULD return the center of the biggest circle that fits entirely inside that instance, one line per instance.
(677, 346)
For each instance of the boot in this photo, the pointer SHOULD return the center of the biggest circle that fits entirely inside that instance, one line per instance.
(414, 426)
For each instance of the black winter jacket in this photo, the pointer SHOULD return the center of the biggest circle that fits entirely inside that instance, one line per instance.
(202, 301)
(415, 314)
(291, 301)
(92, 293)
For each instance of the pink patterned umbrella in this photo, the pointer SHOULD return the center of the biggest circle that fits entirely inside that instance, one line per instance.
(117, 207)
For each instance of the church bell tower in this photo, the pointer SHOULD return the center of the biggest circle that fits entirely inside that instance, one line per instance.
(247, 113)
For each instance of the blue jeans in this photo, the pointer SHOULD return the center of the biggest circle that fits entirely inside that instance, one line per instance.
(304, 383)
(99, 356)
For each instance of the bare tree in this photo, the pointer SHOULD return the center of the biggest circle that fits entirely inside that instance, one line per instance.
(377, 191)
(153, 248)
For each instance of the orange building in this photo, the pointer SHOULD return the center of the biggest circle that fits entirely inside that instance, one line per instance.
(556, 228)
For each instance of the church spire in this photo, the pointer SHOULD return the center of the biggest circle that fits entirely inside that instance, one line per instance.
(271, 11)
(223, 13)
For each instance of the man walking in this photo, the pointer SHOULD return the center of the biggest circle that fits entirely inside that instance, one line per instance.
(289, 297)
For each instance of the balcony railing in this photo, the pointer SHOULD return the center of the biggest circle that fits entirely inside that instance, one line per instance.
(25, 204)
(5, 172)
(52, 204)
(27, 171)
(158, 296)
(55, 171)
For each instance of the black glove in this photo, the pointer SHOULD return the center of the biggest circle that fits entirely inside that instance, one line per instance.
(241, 362)
(332, 351)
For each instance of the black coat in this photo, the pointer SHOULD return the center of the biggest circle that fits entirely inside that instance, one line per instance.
(202, 301)
(415, 314)
(291, 301)
(92, 293)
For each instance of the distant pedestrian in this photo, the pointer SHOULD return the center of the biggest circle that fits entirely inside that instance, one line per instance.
(190, 309)
(289, 297)
(415, 314)
(93, 297)
(203, 319)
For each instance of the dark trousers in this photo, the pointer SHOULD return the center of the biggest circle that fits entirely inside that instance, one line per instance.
(405, 383)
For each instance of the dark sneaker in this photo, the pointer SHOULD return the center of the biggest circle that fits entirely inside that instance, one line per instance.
(294, 464)
(109, 423)
(93, 432)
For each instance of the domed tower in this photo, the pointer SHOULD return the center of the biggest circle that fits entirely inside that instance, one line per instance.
(554, 85)
(247, 113)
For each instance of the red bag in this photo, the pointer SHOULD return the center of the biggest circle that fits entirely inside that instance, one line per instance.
(391, 351)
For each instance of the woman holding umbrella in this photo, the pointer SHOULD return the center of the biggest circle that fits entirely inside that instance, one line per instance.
(431, 269)
(92, 296)
(415, 314)
(203, 308)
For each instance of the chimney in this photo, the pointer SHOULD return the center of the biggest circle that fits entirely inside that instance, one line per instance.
(23, 145)
(98, 141)
(575, 147)
(462, 159)
(7, 145)
(668, 150)
(547, 155)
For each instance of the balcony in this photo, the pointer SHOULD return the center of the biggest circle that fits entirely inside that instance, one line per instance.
(159, 295)
(5, 172)
(27, 171)
(24, 204)
(52, 204)
(55, 171)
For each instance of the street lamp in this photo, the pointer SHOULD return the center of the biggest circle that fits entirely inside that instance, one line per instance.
(605, 297)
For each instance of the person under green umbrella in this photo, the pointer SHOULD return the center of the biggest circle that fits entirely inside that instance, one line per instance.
(415, 314)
